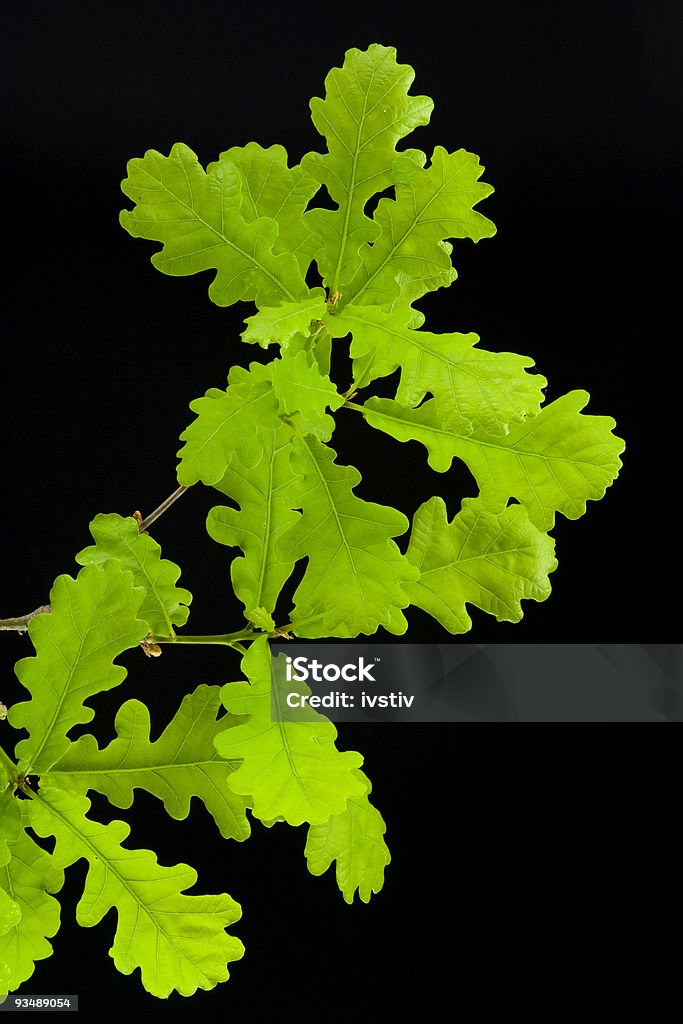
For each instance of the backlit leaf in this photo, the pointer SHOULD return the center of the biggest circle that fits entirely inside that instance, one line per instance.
(355, 577)
(472, 388)
(272, 189)
(181, 764)
(179, 942)
(366, 111)
(305, 394)
(228, 422)
(487, 559)
(291, 769)
(431, 205)
(93, 620)
(555, 461)
(28, 879)
(198, 217)
(355, 840)
(165, 604)
(264, 514)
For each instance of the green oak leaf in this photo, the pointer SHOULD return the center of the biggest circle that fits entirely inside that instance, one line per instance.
(165, 604)
(291, 769)
(431, 205)
(557, 460)
(553, 462)
(423, 425)
(228, 422)
(198, 217)
(179, 942)
(10, 911)
(279, 324)
(262, 619)
(356, 576)
(472, 388)
(272, 189)
(28, 879)
(493, 560)
(304, 393)
(10, 831)
(10, 816)
(264, 514)
(181, 764)
(366, 111)
(93, 620)
(355, 840)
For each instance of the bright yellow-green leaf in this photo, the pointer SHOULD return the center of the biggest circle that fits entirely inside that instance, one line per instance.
(228, 422)
(431, 205)
(556, 461)
(179, 942)
(264, 514)
(355, 577)
(305, 394)
(281, 323)
(272, 189)
(32, 915)
(93, 620)
(493, 560)
(472, 388)
(198, 217)
(366, 111)
(181, 764)
(165, 604)
(355, 840)
(290, 770)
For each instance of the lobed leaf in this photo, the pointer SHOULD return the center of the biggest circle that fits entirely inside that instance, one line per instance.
(179, 942)
(10, 913)
(431, 205)
(165, 604)
(10, 816)
(272, 189)
(93, 620)
(356, 576)
(181, 764)
(10, 831)
(355, 840)
(197, 215)
(304, 393)
(280, 323)
(472, 388)
(291, 769)
(263, 516)
(555, 461)
(228, 423)
(492, 560)
(32, 915)
(366, 111)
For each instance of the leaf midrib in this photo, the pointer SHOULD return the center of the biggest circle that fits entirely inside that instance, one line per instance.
(123, 881)
(226, 241)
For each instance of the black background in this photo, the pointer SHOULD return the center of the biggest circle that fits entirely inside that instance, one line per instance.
(545, 857)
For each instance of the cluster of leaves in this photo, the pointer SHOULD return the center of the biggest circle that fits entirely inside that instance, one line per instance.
(264, 443)
(231, 761)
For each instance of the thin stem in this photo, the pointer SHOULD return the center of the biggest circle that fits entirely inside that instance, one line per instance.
(225, 639)
(20, 622)
(153, 516)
